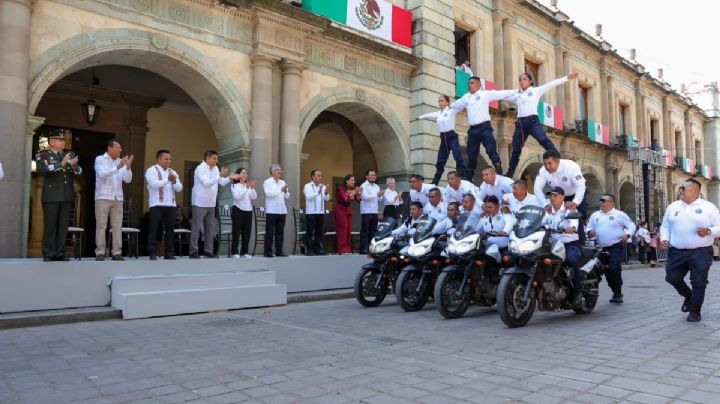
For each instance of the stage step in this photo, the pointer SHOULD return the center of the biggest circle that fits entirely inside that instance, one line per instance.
(161, 295)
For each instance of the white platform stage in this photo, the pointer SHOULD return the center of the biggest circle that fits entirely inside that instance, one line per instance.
(144, 288)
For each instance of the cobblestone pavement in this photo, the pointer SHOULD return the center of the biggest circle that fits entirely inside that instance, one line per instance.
(337, 351)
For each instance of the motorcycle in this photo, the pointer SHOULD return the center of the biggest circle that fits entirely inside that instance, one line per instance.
(424, 257)
(473, 273)
(374, 279)
(538, 275)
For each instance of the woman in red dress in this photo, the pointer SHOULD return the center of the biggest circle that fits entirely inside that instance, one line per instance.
(346, 193)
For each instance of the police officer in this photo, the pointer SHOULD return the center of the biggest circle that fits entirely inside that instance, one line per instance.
(416, 211)
(519, 197)
(688, 229)
(435, 208)
(448, 225)
(495, 221)
(494, 184)
(613, 228)
(58, 166)
(449, 142)
(457, 188)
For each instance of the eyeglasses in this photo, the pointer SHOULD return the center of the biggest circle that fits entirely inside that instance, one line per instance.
(603, 200)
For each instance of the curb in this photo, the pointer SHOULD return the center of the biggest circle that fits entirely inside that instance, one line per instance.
(50, 317)
(306, 297)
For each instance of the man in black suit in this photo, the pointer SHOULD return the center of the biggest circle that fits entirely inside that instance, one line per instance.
(58, 166)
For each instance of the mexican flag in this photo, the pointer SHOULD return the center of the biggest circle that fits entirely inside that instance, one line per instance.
(375, 17)
(688, 165)
(706, 171)
(489, 85)
(668, 158)
(550, 115)
(598, 132)
(461, 86)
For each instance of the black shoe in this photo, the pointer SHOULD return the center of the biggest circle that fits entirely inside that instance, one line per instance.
(269, 255)
(47, 259)
(194, 256)
(100, 257)
(212, 256)
(578, 299)
(617, 298)
(321, 252)
(153, 258)
(169, 257)
(687, 304)
(693, 317)
(310, 253)
(281, 255)
(363, 252)
(118, 258)
(62, 258)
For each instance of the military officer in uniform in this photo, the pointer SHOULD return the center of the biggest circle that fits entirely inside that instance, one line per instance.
(59, 167)
(689, 228)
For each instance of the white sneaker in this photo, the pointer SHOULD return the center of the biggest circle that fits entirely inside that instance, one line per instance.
(247, 256)
(236, 256)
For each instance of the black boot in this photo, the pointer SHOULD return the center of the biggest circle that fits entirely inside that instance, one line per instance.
(617, 296)
(686, 306)
(578, 286)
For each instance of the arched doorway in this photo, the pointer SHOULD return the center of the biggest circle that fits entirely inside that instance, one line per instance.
(626, 200)
(154, 92)
(529, 173)
(593, 191)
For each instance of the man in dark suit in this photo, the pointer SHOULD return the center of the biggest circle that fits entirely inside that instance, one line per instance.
(58, 166)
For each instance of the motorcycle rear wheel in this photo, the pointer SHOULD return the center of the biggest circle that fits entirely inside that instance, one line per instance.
(513, 311)
(448, 302)
(365, 291)
(590, 293)
(406, 294)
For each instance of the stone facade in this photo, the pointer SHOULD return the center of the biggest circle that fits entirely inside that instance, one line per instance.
(263, 71)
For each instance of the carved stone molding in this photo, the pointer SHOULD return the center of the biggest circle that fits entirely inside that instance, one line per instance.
(235, 155)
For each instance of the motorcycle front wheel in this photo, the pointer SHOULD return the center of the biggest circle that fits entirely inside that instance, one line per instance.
(514, 311)
(366, 291)
(411, 295)
(590, 292)
(448, 301)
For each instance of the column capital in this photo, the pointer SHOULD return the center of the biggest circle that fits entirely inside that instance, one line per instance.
(33, 122)
(236, 154)
(292, 67)
(261, 59)
(26, 3)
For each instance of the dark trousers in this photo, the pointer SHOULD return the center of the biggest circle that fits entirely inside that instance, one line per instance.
(274, 229)
(241, 226)
(524, 128)
(481, 133)
(448, 143)
(367, 230)
(642, 252)
(165, 216)
(392, 211)
(314, 232)
(573, 253)
(56, 216)
(583, 209)
(697, 261)
(613, 274)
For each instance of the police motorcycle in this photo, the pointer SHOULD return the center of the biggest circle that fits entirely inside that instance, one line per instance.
(538, 275)
(374, 279)
(473, 272)
(424, 261)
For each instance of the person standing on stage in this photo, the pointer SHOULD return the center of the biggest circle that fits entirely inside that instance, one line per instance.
(369, 209)
(449, 141)
(457, 188)
(276, 192)
(566, 174)
(204, 201)
(162, 184)
(346, 194)
(477, 102)
(392, 200)
(110, 172)
(316, 194)
(59, 167)
(528, 124)
(688, 229)
(611, 229)
(243, 192)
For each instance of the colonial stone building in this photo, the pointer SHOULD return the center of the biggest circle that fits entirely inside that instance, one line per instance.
(264, 81)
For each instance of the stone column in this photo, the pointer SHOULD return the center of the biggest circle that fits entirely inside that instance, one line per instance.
(14, 68)
(688, 145)
(33, 122)
(498, 69)
(559, 72)
(567, 89)
(261, 120)
(612, 107)
(508, 54)
(604, 96)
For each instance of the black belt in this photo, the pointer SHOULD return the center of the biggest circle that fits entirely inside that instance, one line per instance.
(480, 124)
(448, 132)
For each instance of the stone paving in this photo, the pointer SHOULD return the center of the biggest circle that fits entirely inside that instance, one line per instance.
(337, 352)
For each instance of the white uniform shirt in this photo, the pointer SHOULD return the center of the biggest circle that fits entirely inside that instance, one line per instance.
(477, 209)
(422, 195)
(243, 196)
(446, 226)
(445, 119)
(314, 201)
(530, 200)
(496, 223)
(204, 191)
(644, 234)
(389, 198)
(502, 186)
(369, 201)
(557, 218)
(610, 227)
(275, 197)
(438, 212)
(451, 194)
(405, 227)
(161, 192)
(568, 176)
(478, 104)
(527, 101)
(682, 221)
(109, 179)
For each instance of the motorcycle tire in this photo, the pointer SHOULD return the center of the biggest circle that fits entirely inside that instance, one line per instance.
(512, 310)
(590, 296)
(405, 293)
(365, 291)
(447, 301)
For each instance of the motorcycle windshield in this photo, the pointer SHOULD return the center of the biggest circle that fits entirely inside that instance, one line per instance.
(385, 227)
(424, 229)
(528, 220)
(467, 225)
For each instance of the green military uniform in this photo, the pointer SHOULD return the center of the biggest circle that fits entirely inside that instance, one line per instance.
(58, 196)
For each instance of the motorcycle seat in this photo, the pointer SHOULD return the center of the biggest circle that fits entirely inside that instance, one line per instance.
(587, 254)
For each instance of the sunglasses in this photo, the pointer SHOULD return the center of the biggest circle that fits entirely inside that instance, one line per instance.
(602, 200)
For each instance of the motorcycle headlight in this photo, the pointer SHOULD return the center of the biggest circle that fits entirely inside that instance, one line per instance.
(421, 248)
(526, 245)
(379, 246)
(460, 247)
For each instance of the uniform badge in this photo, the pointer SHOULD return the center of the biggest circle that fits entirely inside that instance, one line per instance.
(564, 179)
(698, 211)
(530, 94)
(578, 177)
(611, 218)
(445, 115)
(676, 212)
(549, 182)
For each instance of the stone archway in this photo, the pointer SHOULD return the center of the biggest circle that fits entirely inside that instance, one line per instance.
(185, 66)
(626, 199)
(594, 188)
(529, 171)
